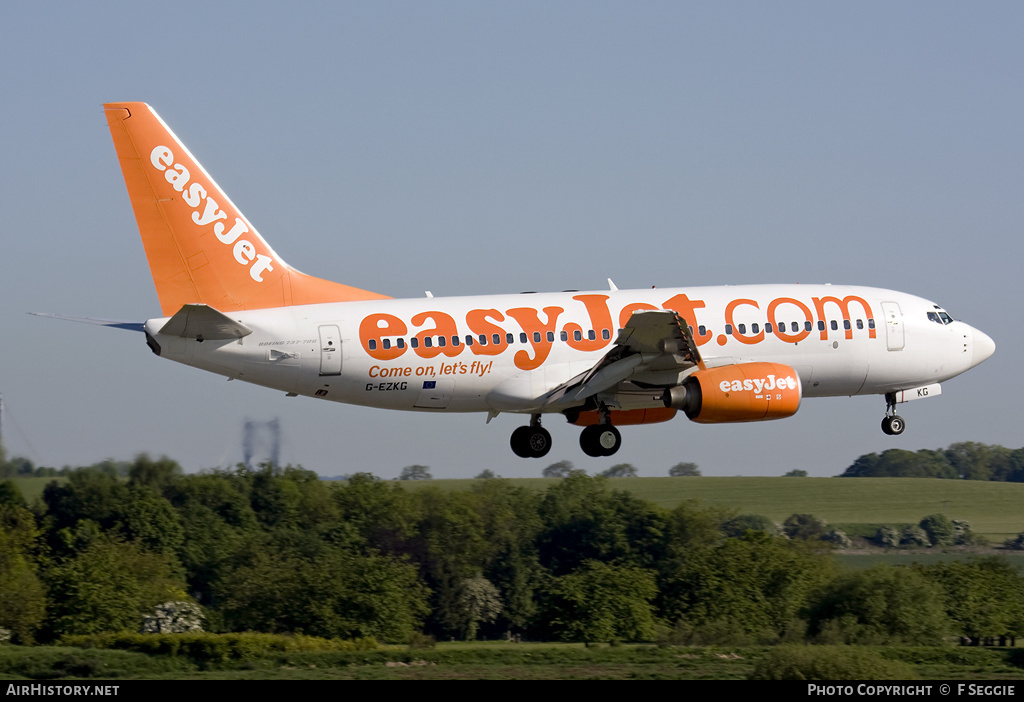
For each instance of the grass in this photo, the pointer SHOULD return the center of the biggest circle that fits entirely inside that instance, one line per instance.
(992, 508)
(488, 661)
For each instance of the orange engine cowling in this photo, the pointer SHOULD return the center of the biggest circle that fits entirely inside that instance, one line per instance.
(743, 392)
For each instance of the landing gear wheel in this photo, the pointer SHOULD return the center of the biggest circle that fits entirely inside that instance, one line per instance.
(600, 440)
(530, 442)
(894, 425)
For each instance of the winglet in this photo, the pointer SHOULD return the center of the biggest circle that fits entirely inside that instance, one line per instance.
(200, 247)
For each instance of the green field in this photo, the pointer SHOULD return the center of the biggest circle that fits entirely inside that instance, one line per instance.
(995, 510)
(483, 661)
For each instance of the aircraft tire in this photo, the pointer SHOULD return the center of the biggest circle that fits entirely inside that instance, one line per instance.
(886, 426)
(530, 442)
(896, 425)
(520, 442)
(600, 440)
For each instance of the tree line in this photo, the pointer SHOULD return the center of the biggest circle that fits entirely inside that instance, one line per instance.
(965, 460)
(278, 550)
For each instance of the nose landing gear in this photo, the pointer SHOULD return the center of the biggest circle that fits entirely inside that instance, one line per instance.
(892, 424)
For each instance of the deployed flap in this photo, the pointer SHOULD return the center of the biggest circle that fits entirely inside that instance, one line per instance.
(660, 332)
(203, 322)
(652, 340)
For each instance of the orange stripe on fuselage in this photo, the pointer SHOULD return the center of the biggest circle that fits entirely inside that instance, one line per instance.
(543, 328)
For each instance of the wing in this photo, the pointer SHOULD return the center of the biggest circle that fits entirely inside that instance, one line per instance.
(654, 344)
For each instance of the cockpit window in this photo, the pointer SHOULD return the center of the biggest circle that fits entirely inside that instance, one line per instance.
(939, 317)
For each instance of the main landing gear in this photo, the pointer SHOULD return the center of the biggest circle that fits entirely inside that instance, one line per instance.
(892, 424)
(533, 441)
(600, 440)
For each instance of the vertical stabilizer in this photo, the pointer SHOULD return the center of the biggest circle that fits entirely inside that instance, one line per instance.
(200, 247)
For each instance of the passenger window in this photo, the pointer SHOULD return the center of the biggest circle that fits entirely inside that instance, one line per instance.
(414, 342)
(551, 336)
(469, 339)
(564, 336)
(606, 334)
(428, 341)
(755, 328)
(536, 337)
(441, 341)
(523, 339)
(510, 337)
(483, 340)
(768, 327)
(496, 339)
(860, 323)
(846, 324)
(728, 330)
(577, 335)
(834, 324)
(807, 326)
(591, 335)
(702, 329)
(372, 344)
(742, 328)
(386, 344)
(821, 325)
(455, 340)
(401, 343)
(871, 323)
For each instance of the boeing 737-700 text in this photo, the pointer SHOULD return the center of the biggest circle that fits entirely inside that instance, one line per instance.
(602, 359)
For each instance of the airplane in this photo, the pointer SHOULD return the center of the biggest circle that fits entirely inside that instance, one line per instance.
(601, 359)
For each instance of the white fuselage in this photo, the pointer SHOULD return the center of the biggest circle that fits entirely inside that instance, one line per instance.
(400, 354)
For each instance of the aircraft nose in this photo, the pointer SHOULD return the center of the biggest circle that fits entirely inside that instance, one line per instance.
(983, 347)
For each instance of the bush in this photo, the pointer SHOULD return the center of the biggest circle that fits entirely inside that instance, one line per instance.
(1016, 543)
(887, 536)
(207, 649)
(939, 529)
(54, 663)
(805, 527)
(914, 536)
(738, 526)
(837, 538)
(828, 663)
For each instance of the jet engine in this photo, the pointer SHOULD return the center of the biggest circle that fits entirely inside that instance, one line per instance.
(742, 392)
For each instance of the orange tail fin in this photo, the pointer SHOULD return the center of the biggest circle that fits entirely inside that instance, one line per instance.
(200, 248)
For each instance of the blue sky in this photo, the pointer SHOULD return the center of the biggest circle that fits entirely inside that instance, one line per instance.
(476, 147)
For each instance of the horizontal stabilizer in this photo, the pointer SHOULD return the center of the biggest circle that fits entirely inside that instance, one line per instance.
(203, 322)
(117, 324)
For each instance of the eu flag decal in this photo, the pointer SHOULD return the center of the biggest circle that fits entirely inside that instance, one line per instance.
(429, 384)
